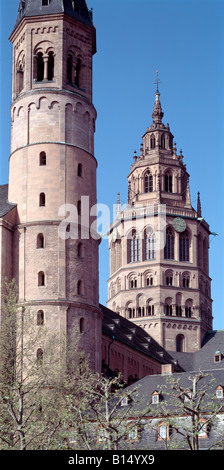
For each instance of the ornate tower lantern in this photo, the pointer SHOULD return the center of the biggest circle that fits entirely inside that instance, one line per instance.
(162, 286)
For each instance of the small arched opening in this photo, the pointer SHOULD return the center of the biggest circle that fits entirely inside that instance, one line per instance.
(180, 343)
(41, 279)
(40, 240)
(40, 318)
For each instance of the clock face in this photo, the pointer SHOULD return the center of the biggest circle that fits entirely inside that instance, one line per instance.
(179, 224)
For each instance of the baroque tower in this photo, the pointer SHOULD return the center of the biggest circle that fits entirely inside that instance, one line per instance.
(53, 169)
(159, 271)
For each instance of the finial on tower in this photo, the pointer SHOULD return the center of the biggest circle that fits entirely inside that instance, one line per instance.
(199, 206)
(157, 114)
(157, 81)
(118, 208)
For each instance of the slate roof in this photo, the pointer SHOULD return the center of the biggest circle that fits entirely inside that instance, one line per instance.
(161, 383)
(5, 205)
(204, 358)
(134, 336)
(28, 8)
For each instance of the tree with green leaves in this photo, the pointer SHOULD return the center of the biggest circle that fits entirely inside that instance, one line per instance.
(111, 415)
(190, 411)
(35, 385)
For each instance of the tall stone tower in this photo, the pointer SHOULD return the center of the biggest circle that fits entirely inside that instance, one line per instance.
(53, 169)
(159, 273)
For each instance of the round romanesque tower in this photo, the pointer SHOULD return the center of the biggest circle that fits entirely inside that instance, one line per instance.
(159, 271)
(53, 169)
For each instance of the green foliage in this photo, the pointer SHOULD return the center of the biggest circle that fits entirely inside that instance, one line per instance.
(189, 411)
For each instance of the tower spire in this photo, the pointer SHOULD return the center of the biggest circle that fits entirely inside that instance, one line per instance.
(157, 114)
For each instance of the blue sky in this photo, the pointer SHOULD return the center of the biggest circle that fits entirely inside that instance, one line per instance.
(184, 40)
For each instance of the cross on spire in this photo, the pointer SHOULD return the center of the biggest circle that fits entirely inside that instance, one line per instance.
(157, 81)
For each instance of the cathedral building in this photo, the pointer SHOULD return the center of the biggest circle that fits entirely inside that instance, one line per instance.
(159, 301)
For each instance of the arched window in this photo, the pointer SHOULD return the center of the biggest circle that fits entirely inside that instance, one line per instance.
(163, 141)
(168, 307)
(178, 311)
(169, 277)
(40, 67)
(148, 182)
(188, 312)
(149, 280)
(50, 66)
(42, 200)
(180, 343)
(188, 308)
(69, 68)
(186, 280)
(153, 142)
(131, 312)
(133, 282)
(169, 310)
(149, 245)
(169, 247)
(150, 310)
(135, 248)
(178, 304)
(20, 79)
(43, 159)
(168, 183)
(40, 240)
(80, 249)
(82, 325)
(184, 243)
(77, 73)
(20, 67)
(141, 312)
(40, 355)
(79, 172)
(40, 318)
(41, 279)
(169, 280)
(79, 287)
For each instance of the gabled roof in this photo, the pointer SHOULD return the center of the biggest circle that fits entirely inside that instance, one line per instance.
(5, 205)
(147, 386)
(134, 336)
(80, 12)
